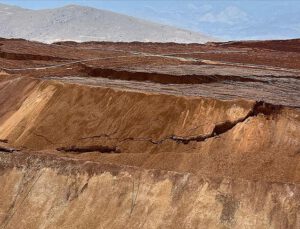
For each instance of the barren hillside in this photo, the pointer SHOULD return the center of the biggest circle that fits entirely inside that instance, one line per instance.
(79, 23)
(149, 135)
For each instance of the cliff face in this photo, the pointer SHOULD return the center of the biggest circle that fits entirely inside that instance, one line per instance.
(86, 148)
(68, 193)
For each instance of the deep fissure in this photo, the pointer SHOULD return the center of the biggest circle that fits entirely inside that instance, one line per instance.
(87, 149)
(259, 107)
(7, 149)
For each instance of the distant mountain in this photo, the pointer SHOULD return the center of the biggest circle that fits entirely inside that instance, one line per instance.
(78, 23)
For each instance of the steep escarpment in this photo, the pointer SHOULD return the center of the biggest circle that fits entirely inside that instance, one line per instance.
(111, 112)
(186, 134)
(67, 193)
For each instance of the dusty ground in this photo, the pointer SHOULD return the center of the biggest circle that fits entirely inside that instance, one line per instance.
(143, 135)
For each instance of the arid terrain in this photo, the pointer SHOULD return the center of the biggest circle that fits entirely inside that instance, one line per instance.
(149, 135)
(73, 23)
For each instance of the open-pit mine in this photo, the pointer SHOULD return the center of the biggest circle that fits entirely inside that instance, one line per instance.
(149, 135)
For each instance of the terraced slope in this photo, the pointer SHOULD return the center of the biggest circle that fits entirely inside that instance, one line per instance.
(114, 135)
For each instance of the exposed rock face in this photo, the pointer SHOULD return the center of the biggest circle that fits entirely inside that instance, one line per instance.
(68, 193)
(129, 146)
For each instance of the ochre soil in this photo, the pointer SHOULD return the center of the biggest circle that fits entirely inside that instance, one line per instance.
(148, 135)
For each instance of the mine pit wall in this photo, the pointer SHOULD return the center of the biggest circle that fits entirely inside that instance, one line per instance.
(49, 193)
(64, 113)
(13, 91)
(49, 115)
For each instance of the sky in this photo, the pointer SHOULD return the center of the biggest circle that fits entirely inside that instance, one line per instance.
(226, 19)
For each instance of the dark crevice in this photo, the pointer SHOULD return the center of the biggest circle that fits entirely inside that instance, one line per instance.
(7, 149)
(258, 108)
(95, 136)
(42, 136)
(87, 149)
(219, 129)
(4, 141)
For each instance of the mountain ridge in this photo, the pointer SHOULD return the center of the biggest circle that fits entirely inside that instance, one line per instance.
(82, 23)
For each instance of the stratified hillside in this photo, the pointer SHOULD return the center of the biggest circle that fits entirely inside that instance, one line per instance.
(135, 135)
(80, 23)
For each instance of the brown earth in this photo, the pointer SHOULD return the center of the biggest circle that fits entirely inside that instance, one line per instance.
(146, 135)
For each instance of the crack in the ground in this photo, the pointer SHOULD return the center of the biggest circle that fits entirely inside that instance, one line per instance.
(8, 149)
(86, 149)
(4, 141)
(219, 129)
(42, 136)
